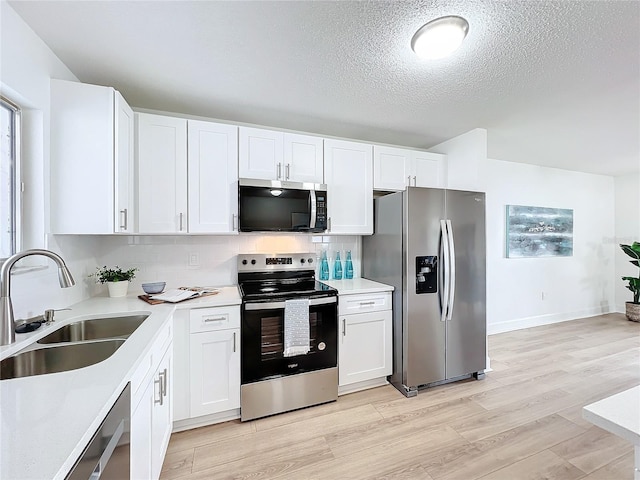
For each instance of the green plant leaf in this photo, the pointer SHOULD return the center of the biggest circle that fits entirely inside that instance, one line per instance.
(632, 250)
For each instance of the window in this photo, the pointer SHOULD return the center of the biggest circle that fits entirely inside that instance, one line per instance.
(9, 201)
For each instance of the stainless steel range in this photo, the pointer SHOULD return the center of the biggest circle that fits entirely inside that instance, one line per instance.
(280, 293)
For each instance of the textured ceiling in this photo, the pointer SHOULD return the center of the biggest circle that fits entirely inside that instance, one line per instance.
(555, 83)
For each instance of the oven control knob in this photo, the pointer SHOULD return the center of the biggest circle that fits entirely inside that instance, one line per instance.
(302, 260)
(322, 346)
(310, 260)
(253, 262)
(244, 262)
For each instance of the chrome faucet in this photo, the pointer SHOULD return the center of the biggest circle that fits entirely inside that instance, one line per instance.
(7, 332)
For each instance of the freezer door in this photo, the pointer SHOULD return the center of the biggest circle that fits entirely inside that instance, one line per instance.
(466, 330)
(424, 330)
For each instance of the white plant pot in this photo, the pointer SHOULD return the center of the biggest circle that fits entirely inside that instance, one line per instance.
(118, 289)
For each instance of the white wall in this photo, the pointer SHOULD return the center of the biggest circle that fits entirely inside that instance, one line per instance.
(466, 158)
(573, 287)
(26, 67)
(627, 219)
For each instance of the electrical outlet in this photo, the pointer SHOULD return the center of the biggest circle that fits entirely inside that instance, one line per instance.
(194, 260)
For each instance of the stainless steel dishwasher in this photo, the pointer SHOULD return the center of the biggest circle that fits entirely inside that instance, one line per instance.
(108, 456)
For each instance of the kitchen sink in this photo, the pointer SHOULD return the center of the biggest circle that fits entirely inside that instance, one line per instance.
(57, 359)
(95, 329)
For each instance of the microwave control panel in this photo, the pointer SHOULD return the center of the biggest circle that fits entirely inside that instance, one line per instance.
(321, 211)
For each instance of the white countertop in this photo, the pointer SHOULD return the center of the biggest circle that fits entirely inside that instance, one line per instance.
(618, 414)
(357, 285)
(47, 420)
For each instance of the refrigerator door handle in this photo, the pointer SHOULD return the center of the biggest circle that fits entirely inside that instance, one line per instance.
(452, 270)
(444, 268)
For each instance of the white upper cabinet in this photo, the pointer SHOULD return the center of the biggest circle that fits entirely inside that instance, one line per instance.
(397, 168)
(188, 176)
(428, 169)
(271, 155)
(303, 158)
(391, 168)
(260, 153)
(91, 177)
(349, 179)
(162, 173)
(213, 177)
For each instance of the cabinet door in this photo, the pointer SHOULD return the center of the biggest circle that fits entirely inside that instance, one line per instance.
(391, 168)
(162, 173)
(124, 171)
(364, 347)
(349, 179)
(428, 169)
(303, 158)
(162, 416)
(261, 154)
(141, 435)
(213, 177)
(215, 371)
(82, 158)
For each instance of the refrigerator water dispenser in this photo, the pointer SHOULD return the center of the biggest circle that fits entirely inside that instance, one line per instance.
(427, 274)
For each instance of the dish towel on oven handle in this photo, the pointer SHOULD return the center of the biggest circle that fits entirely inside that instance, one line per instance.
(296, 327)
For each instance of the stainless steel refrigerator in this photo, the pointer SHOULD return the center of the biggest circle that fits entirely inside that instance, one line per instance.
(430, 245)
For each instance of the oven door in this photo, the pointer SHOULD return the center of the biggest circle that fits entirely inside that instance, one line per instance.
(262, 340)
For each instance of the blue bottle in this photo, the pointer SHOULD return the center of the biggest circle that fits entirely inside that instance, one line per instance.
(337, 268)
(324, 267)
(348, 266)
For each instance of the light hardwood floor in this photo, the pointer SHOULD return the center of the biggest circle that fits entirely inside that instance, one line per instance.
(523, 421)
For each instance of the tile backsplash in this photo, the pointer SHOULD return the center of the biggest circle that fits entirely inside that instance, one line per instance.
(177, 260)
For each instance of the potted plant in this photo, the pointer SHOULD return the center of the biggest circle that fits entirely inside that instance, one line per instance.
(633, 308)
(117, 280)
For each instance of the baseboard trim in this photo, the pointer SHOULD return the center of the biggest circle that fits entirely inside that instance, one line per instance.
(537, 321)
(358, 386)
(205, 420)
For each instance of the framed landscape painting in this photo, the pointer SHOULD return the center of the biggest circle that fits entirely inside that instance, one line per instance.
(539, 232)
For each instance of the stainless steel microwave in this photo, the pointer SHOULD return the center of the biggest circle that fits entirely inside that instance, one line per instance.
(276, 206)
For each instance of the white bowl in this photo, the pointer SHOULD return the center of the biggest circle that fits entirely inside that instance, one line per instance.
(153, 288)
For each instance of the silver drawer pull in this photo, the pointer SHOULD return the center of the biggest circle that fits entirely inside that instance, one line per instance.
(367, 304)
(160, 395)
(234, 342)
(215, 319)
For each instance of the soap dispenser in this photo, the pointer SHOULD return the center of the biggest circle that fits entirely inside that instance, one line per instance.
(337, 268)
(348, 266)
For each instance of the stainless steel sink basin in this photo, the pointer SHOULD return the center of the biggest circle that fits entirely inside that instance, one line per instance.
(96, 329)
(57, 359)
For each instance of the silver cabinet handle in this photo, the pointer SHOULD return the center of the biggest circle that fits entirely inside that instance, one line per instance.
(124, 214)
(367, 304)
(181, 221)
(287, 171)
(215, 319)
(234, 342)
(279, 175)
(160, 400)
(415, 183)
(329, 224)
(234, 222)
(409, 180)
(344, 327)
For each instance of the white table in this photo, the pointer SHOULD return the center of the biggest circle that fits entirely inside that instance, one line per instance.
(620, 415)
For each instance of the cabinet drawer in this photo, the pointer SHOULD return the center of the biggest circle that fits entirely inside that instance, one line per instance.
(215, 318)
(370, 302)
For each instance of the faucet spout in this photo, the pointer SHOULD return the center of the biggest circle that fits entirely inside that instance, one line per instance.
(7, 332)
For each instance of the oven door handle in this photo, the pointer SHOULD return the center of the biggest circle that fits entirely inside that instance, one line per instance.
(280, 305)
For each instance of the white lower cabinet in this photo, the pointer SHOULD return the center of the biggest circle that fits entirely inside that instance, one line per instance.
(152, 410)
(365, 344)
(215, 371)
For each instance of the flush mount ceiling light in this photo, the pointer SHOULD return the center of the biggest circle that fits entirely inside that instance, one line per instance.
(440, 37)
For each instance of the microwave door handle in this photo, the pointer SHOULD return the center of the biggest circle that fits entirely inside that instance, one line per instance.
(312, 200)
